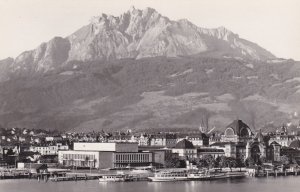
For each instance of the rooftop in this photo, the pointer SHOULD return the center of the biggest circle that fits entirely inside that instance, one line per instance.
(184, 144)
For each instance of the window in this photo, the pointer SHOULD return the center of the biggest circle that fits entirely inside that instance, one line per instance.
(229, 132)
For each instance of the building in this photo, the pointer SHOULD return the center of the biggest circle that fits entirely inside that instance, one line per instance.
(105, 155)
(283, 137)
(53, 138)
(3, 163)
(48, 149)
(144, 140)
(163, 140)
(185, 149)
(283, 140)
(33, 167)
(197, 138)
(295, 144)
(122, 138)
(238, 141)
(210, 151)
(237, 131)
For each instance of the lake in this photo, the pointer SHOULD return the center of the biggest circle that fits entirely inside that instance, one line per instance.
(271, 184)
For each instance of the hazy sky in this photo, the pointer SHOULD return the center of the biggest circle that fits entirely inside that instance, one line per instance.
(273, 24)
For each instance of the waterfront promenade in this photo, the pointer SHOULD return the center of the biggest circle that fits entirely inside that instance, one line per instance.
(58, 175)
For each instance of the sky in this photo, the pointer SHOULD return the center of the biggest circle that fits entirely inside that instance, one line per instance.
(272, 24)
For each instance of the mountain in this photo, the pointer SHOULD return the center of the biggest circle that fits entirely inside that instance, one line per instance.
(136, 34)
(142, 70)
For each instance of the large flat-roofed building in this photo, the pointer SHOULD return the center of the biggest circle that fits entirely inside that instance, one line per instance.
(116, 147)
(105, 155)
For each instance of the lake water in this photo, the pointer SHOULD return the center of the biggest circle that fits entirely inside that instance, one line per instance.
(280, 184)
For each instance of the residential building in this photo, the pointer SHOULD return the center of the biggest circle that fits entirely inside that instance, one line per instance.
(48, 149)
(163, 139)
(185, 149)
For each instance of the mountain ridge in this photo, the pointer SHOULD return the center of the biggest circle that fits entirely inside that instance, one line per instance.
(135, 34)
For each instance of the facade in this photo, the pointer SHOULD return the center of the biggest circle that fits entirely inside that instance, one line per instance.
(163, 140)
(210, 151)
(144, 140)
(131, 159)
(105, 155)
(185, 149)
(48, 149)
(79, 158)
(116, 147)
(283, 140)
(282, 137)
(199, 139)
(240, 142)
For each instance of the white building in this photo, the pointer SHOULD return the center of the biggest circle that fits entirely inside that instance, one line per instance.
(49, 150)
(105, 155)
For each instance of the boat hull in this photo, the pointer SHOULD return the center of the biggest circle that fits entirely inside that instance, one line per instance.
(167, 179)
(112, 180)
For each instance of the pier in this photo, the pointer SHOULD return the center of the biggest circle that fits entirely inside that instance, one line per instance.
(272, 173)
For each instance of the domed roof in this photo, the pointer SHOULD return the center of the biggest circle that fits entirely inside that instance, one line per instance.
(184, 144)
(295, 144)
(240, 128)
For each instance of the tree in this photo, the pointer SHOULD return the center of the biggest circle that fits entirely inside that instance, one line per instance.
(249, 162)
(227, 162)
(222, 161)
(284, 160)
(174, 163)
(262, 160)
(231, 162)
(210, 161)
(200, 162)
(240, 162)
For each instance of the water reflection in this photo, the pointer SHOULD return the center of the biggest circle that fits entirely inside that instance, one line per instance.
(270, 184)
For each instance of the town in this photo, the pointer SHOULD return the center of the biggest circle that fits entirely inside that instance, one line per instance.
(237, 146)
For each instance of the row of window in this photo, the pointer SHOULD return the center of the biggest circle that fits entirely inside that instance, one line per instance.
(78, 156)
(79, 163)
(135, 157)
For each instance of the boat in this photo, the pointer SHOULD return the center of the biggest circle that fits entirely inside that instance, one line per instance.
(169, 176)
(198, 175)
(236, 175)
(215, 174)
(219, 174)
(113, 178)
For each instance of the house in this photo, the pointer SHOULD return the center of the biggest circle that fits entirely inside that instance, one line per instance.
(3, 163)
(144, 140)
(185, 149)
(53, 138)
(48, 149)
(34, 167)
(199, 139)
(163, 139)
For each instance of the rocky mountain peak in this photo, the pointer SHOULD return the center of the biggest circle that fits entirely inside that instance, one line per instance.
(136, 34)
